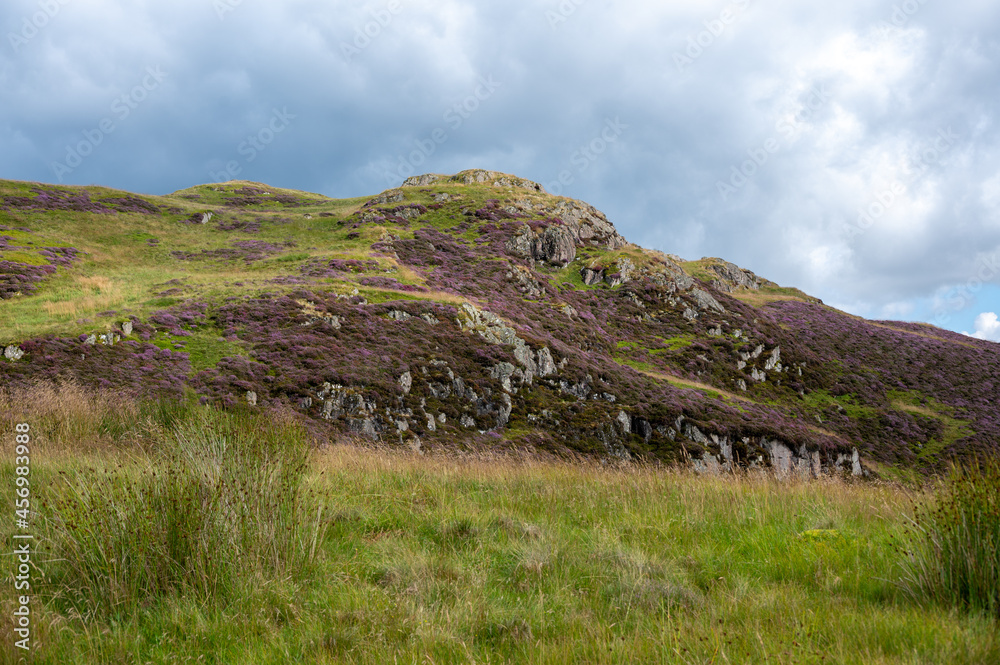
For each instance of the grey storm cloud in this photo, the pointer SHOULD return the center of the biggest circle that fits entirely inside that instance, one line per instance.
(846, 148)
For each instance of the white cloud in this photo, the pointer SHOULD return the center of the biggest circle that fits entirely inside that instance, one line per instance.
(987, 327)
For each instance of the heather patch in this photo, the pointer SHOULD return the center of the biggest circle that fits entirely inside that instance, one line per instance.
(337, 267)
(58, 199)
(131, 204)
(493, 212)
(62, 257)
(869, 359)
(241, 250)
(132, 367)
(249, 196)
(21, 278)
(245, 226)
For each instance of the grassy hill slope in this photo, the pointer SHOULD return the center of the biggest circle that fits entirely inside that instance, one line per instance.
(471, 311)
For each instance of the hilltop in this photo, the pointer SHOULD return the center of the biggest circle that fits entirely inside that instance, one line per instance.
(472, 311)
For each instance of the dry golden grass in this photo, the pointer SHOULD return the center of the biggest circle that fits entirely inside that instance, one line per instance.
(757, 299)
(94, 294)
(64, 417)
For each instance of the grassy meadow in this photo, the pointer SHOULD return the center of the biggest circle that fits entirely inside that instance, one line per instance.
(175, 533)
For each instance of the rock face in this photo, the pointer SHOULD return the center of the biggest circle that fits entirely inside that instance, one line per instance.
(732, 277)
(492, 328)
(406, 382)
(588, 225)
(591, 276)
(555, 245)
(472, 177)
(706, 301)
(768, 456)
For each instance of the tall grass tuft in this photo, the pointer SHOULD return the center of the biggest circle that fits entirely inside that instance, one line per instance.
(216, 506)
(955, 558)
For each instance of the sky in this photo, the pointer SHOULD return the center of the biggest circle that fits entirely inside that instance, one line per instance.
(849, 149)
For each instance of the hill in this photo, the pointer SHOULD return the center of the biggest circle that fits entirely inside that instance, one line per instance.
(472, 311)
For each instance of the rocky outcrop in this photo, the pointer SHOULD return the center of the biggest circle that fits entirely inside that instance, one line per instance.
(359, 414)
(589, 226)
(623, 272)
(385, 198)
(731, 277)
(475, 176)
(492, 328)
(706, 301)
(406, 382)
(13, 353)
(554, 245)
(591, 276)
(720, 455)
(525, 281)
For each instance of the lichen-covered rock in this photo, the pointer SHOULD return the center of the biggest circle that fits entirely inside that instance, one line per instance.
(774, 361)
(492, 328)
(526, 282)
(588, 225)
(624, 271)
(591, 276)
(546, 365)
(406, 382)
(387, 197)
(13, 353)
(706, 301)
(555, 244)
(732, 277)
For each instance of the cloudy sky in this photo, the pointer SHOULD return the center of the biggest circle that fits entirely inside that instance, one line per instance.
(846, 148)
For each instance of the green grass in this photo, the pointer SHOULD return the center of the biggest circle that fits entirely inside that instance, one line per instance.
(821, 400)
(204, 346)
(133, 272)
(952, 429)
(445, 559)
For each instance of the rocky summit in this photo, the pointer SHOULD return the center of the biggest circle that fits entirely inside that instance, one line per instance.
(472, 311)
